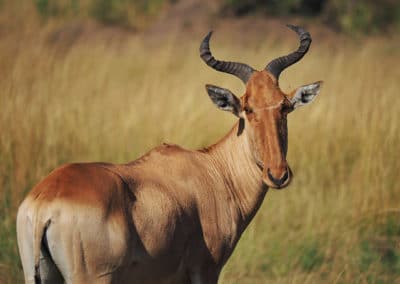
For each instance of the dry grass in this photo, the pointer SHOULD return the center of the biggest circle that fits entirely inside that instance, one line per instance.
(95, 101)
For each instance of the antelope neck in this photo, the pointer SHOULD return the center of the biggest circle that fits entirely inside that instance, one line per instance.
(233, 159)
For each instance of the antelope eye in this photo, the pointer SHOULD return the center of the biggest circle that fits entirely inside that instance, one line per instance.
(248, 110)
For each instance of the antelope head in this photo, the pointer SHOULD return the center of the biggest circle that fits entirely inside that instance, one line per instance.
(264, 107)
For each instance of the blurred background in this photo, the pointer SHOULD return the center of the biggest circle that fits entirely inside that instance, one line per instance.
(107, 80)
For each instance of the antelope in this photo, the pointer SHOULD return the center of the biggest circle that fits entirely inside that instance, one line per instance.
(173, 215)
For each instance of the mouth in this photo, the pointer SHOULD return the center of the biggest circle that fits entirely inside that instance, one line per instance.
(272, 182)
(276, 183)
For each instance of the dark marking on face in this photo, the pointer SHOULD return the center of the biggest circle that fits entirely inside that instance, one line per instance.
(241, 126)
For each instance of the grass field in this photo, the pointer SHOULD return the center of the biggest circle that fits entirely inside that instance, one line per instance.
(97, 100)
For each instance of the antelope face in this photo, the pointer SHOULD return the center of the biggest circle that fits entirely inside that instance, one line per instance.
(263, 109)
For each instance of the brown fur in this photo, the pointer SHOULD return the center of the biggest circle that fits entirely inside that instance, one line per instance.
(172, 216)
(269, 125)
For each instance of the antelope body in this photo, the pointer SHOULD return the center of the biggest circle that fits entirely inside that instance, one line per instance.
(173, 215)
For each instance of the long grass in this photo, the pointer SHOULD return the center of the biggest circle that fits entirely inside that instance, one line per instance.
(338, 222)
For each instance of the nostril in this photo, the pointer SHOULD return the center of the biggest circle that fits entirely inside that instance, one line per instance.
(278, 181)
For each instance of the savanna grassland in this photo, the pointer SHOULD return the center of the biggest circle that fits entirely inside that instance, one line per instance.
(111, 95)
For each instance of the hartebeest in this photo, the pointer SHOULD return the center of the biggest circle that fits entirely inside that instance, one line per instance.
(174, 215)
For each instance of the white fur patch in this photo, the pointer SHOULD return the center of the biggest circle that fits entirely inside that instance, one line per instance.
(306, 94)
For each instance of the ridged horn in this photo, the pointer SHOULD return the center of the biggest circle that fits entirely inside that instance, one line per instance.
(240, 70)
(276, 66)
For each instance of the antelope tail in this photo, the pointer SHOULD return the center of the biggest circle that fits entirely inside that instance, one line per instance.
(39, 232)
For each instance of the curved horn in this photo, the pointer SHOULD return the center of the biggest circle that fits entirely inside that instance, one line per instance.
(241, 70)
(276, 66)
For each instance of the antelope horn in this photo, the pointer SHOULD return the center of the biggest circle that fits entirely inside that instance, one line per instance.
(276, 66)
(240, 70)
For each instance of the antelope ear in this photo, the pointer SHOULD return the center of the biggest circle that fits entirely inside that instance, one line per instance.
(305, 94)
(224, 99)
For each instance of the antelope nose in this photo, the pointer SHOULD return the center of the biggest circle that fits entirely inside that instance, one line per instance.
(278, 181)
